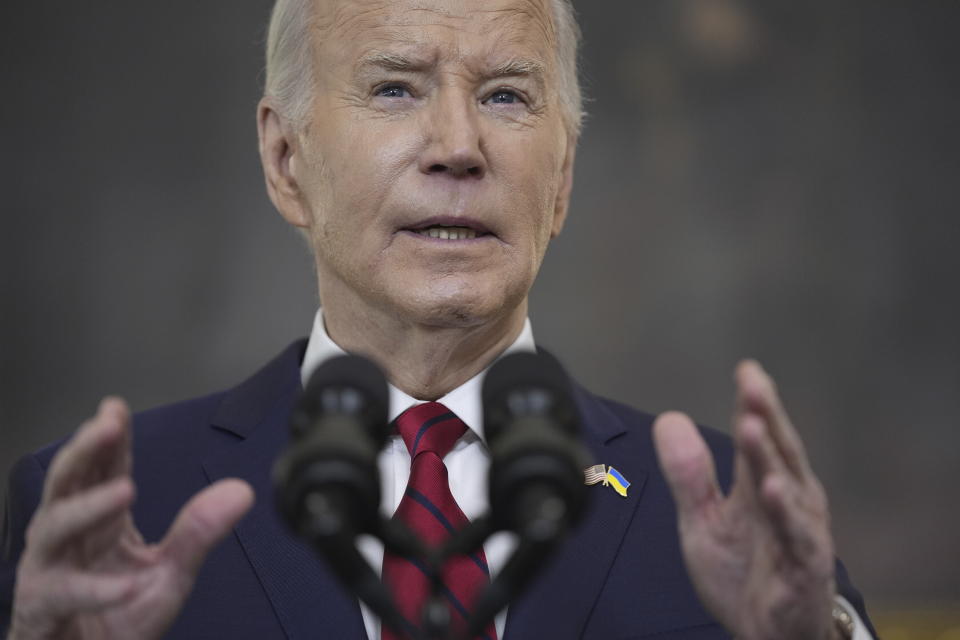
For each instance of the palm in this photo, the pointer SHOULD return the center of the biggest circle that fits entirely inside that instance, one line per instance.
(760, 558)
(157, 591)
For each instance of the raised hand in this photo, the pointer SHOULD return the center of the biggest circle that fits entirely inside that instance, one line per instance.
(762, 557)
(86, 571)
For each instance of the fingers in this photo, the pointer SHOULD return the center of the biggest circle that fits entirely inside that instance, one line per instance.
(87, 487)
(68, 519)
(758, 450)
(204, 520)
(779, 477)
(757, 395)
(99, 450)
(686, 463)
(799, 518)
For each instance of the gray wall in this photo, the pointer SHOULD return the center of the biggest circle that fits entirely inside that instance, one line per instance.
(766, 178)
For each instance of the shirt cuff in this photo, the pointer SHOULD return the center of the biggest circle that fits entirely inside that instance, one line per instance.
(860, 631)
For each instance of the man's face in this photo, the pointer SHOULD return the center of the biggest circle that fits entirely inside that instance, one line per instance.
(436, 165)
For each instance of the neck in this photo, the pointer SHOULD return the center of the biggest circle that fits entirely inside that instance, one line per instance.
(423, 359)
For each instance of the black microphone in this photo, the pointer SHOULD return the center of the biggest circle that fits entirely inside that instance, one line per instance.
(536, 487)
(532, 426)
(327, 482)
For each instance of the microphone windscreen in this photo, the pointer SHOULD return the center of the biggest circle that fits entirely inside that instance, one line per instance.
(531, 384)
(348, 385)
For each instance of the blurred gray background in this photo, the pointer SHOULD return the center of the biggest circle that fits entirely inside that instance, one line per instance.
(768, 178)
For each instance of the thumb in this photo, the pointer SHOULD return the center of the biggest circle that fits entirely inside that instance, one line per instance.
(686, 462)
(204, 521)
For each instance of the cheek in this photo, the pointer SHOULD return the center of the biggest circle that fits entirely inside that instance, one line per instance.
(533, 180)
(366, 163)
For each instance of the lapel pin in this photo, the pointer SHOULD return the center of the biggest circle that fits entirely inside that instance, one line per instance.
(610, 477)
(595, 475)
(617, 481)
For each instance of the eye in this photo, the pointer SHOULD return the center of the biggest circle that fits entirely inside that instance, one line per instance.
(393, 91)
(503, 96)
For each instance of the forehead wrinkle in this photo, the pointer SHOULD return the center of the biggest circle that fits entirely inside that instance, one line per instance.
(347, 18)
(536, 13)
(446, 13)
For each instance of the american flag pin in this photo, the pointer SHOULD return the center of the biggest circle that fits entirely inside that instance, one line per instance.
(595, 474)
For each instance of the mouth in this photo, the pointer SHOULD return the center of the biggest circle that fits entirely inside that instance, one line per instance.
(449, 229)
(448, 233)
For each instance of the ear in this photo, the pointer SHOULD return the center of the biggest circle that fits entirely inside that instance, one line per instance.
(562, 203)
(279, 153)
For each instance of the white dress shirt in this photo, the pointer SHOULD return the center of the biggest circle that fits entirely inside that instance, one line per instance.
(467, 465)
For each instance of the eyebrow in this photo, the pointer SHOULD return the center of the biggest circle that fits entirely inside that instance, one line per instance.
(517, 67)
(390, 61)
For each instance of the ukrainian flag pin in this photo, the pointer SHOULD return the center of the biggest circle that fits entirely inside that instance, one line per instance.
(616, 480)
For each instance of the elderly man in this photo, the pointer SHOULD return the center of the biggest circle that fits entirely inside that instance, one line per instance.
(426, 149)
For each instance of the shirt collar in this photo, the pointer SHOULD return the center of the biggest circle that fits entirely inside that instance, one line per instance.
(465, 400)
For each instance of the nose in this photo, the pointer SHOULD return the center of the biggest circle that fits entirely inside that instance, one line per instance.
(454, 140)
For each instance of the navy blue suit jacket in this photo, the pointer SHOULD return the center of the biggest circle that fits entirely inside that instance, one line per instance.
(619, 576)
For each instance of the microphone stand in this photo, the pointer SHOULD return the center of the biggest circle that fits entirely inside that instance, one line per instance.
(324, 525)
(540, 518)
(543, 526)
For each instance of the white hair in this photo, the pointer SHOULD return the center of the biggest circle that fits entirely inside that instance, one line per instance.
(290, 79)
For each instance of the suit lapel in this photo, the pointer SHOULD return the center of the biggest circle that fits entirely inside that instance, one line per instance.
(307, 599)
(560, 601)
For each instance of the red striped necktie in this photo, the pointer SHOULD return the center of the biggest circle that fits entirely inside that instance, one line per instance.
(430, 430)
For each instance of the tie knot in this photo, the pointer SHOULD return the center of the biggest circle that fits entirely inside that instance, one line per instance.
(429, 427)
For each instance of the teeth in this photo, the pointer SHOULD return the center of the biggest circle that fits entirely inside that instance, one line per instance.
(448, 233)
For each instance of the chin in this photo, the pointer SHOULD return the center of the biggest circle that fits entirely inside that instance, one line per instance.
(463, 307)
(452, 313)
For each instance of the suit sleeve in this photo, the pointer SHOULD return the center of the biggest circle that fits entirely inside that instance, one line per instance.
(24, 490)
(848, 592)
